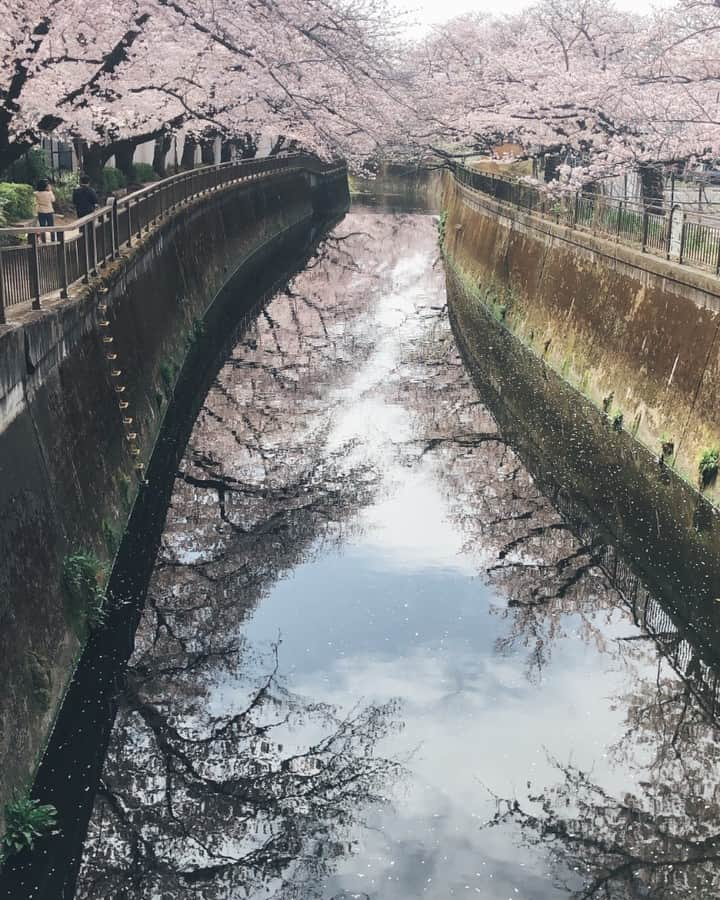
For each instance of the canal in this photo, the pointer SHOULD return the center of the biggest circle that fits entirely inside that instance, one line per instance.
(375, 659)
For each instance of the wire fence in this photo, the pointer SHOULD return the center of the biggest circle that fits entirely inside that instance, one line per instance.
(684, 236)
(48, 261)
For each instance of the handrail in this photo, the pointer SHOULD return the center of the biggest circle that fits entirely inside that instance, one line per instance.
(684, 236)
(77, 250)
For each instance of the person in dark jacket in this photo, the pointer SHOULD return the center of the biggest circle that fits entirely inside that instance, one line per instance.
(84, 198)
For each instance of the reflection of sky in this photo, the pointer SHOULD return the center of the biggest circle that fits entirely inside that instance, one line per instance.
(399, 612)
(355, 629)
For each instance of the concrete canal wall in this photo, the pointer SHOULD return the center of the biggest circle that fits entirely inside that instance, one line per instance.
(68, 476)
(632, 333)
(563, 332)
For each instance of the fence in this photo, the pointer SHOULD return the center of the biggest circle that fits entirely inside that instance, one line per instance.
(684, 236)
(53, 259)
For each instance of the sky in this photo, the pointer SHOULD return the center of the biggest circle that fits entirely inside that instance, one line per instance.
(428, 12)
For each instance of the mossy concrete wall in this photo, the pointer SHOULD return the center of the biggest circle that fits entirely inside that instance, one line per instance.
(631, 332)
(68, 478)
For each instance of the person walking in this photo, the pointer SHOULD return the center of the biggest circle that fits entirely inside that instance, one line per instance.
(44, 202)
(84, 198)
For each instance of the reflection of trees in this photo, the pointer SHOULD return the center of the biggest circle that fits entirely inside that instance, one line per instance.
(662, 838)
(218, 781)
(524, 547)
(224, 803)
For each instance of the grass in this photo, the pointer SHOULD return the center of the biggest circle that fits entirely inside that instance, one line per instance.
(25, 822)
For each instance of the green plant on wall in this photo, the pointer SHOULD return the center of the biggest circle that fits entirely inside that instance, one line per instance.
(442, 228)
(25, 822)
(167, 373)
(708, 465)
(617, 419)
(83, 575)
(110, 537)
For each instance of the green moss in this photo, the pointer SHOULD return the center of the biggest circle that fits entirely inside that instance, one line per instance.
(442, 228)
(617, 418)
(126, 491)
(40, 680)
(111, 537)
(196, 332)
(167, 374)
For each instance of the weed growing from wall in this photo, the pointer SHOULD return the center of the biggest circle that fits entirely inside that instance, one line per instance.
(83, 577)
(442, 229)
(25, 822)
(708, 465)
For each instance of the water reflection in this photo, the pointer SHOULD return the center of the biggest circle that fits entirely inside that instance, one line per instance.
(376, 661)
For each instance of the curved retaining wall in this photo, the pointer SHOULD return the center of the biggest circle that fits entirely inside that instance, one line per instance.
(68, 480)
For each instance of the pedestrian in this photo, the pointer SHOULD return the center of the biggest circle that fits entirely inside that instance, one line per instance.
(44, 201)
(84, 198)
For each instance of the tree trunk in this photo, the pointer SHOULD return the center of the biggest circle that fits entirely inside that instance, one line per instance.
(94, 157)
(278, 144)
(163, 143)
(207, 151)
(551, 166)
(124, 151)
(652, 185)
(188, 154)
(248, 145)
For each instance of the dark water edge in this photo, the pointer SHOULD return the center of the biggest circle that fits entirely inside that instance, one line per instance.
(71, 766)
(656, 538)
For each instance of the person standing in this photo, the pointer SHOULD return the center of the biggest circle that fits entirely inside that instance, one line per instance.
(84, 198)
(44, 202)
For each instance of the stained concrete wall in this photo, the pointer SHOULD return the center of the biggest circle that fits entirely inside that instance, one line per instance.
(629, 331)
(67, 478)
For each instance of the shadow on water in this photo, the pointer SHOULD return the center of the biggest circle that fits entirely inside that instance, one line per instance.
(71, 766)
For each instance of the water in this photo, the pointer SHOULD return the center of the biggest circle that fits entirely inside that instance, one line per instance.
(375, 661)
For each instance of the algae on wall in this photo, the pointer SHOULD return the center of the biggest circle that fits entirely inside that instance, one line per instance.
(632, 341)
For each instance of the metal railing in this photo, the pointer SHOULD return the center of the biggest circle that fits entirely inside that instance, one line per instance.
(53, 259)
(681, 235)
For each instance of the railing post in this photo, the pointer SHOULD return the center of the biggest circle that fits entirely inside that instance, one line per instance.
(115, 222)
(63, 266)
(130, 231)
(646, 226)
(86, 252)
(2, 288)
(668, 236)
(682, 240)
(34, 271)
(93, 229)
(576, 209)
(717, 260)
(619, 218)
(101, 221)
